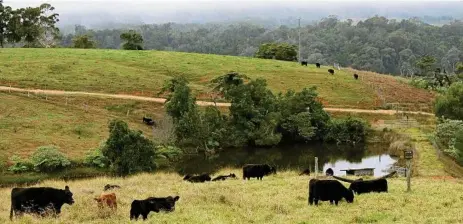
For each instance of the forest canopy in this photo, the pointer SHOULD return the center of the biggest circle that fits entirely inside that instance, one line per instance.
(376, 44)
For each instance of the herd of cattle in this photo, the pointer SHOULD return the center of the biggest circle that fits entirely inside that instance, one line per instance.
(331, 71)
(48, 201)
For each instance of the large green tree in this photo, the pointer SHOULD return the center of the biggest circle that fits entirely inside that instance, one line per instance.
(133, 40)
(4, 18)
(278, 51)
(127, 150)
(450, 104)
(84, 42)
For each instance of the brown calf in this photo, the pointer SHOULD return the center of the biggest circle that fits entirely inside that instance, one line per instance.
(107, 199)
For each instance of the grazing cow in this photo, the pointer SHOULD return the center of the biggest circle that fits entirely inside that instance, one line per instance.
(329, 172)
(144, 207)
(328, 190)
(331, 71)
(317, 64)
(224, 177)
(107, 199)
(356, 76)
(149, 121)
(110, 187)
(367, 186)
(304, 63)
(257, 170)
(39, 200)
(305, 172)
(197, 179)
(361, 186)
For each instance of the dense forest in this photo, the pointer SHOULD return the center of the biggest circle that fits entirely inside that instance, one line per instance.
(376, 44)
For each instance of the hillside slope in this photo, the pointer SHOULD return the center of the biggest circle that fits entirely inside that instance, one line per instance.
(75, 124)
(143, 73)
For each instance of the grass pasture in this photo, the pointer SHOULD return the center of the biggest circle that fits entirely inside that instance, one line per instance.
(143, 73)
(76, 127)
(277, 199)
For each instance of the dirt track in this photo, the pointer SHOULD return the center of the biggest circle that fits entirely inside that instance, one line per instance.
(201, 103)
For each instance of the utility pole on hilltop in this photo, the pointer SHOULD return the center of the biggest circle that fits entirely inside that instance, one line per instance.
(299, 50)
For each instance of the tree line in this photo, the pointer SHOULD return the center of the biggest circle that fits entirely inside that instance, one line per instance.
(375, 44)
(29, 27)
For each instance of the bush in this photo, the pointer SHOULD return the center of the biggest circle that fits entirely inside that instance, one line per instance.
(457, 147)
(446, 131)
(349, 130)
(278, 51)
(128, 151)
(450, 105)
(49, 159)
(95, 158)
(20, 165)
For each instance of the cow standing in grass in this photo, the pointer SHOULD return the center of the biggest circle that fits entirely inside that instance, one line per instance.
(331, 71)
(257, 170)
(328, 190)
(39, 200)
(317, 64)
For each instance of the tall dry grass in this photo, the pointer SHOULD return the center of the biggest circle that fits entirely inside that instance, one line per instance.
(281, 198)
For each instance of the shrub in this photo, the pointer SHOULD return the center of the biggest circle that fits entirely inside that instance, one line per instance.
(457, 147)
(20, 165)
(349, 130)
(95, 158)
(446, 131)
(49, 159)
(450, 105)
(278, 51)
(128, 151)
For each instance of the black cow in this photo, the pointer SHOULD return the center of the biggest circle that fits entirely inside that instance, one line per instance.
(224, 177)
(329, 172)
(144, 207)
(305, 172)
(304, 63)
(257, 170)
(110, 187)
(361, 186)
(367, 186)
(149, 121)
(328, 190)
(331, 71)
(356, 76)
(197, 179)
(317, 64)
(39, 200)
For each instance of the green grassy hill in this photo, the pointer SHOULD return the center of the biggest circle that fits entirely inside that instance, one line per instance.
(143, 73)
(76, 127)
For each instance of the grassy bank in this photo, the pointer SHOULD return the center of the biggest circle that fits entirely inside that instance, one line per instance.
(143, 73)
(277, 199)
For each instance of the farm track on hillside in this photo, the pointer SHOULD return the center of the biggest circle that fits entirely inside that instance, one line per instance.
(200, 103)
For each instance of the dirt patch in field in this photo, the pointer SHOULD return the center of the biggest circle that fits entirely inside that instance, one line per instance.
(391, 90)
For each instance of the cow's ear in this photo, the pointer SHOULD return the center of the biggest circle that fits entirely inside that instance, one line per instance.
(176, 198)
(66, 188)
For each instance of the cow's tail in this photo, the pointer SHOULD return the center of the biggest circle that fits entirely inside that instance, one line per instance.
(11, 211)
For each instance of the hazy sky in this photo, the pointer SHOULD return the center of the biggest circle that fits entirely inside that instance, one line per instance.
(184, 11)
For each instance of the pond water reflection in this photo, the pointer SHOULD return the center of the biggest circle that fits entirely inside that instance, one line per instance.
(296, 157)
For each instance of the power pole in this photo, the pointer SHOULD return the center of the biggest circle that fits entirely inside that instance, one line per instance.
(299, 50)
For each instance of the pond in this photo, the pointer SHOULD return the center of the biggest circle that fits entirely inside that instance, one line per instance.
(295, 157)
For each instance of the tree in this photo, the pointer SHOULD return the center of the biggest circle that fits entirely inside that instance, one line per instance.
(4, 18)
(84, 42)
(133, 40)
(278, 51)
(426, 64)
(128, 151)
(450, 105)
(38, 25)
